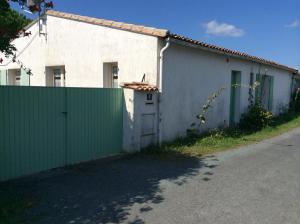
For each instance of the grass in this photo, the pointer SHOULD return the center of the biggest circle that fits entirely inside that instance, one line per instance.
(221, 140)
(12, 206)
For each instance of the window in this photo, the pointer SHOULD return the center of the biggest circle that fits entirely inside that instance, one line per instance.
(14, 77)
(18, 78)
(55, 76)
(115, 71)
(110, 75)
(57, 79)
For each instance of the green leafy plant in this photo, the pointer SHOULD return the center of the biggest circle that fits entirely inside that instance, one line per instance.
(12, 26)
(212, 98)
(295, 103)
(256, 118)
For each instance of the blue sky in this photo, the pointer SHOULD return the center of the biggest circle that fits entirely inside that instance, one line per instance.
(265, 28)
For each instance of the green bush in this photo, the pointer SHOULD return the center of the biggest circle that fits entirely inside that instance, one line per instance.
(256, 118)
(295, 102)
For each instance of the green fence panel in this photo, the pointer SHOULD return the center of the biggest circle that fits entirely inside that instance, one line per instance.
(94, 124)
(31, 130)
(43, 128)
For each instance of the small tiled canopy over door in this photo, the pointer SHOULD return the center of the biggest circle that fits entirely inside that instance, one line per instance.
(25, 78)
(3, 77)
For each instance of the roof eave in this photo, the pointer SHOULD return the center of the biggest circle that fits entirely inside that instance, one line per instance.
(145, 30)
(186, 43)
(31, 24)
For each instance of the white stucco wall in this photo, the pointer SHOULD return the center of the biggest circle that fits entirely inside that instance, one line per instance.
(31, 51)
(191, 75)
(83, 48)
(130, 137)
(136, 107)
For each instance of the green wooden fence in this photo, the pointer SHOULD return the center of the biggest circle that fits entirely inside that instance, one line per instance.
(43, 127)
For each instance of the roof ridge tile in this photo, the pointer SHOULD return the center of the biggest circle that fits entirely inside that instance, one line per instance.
(113, 24)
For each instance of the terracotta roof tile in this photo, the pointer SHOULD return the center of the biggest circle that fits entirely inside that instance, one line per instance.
(117, 24)
(90, 20)
(149, 31)
(97, 21)
(158, 33)
(140, 86)
(232, 52)
(126, 26)
(107, 23)
(113, 24)
(137, 28)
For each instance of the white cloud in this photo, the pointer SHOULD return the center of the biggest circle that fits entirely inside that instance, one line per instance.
(222, 29)
(294, 24)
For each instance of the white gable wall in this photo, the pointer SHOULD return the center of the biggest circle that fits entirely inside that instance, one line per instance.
(83, 48)
(191, 75)
(31, 51)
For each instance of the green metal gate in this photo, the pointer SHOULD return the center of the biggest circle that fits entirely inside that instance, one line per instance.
(44, 127)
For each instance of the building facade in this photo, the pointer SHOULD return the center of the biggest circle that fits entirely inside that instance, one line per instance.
(166, 78)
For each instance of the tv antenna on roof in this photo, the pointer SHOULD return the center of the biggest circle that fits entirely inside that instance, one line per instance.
(37, 6)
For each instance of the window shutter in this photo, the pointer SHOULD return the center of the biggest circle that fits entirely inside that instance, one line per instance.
(271, 89)
(3, 74)
(258, 88)
(24, 78)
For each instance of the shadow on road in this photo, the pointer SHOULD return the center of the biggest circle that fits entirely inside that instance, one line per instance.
(105, 191)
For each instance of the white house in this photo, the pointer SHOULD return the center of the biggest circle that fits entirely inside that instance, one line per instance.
(77, 51)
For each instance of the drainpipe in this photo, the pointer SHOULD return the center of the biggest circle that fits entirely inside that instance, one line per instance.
(161, 61)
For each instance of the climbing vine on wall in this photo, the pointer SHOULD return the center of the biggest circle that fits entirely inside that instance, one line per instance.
(202, 116)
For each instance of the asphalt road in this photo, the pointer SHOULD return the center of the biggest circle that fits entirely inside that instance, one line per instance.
(255, 184)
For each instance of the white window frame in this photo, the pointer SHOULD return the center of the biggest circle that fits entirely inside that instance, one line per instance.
(18, 78)
(115, 76)
(57, 74)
